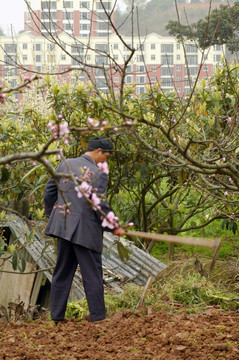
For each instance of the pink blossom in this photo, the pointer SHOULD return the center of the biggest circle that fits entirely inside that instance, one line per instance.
(27, 78)
(63, 129)
(52, 126)
(104, 123)
(116, 129)
(95, 201)
(130, 224)
(103, 167)
(207, 216)
(84, 188)
(60, 116)
(128, 123)
(92, 122)
(110, 221)
(225, 193)
(33, 163)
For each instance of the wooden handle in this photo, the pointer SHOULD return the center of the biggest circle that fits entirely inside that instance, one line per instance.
(210, 243)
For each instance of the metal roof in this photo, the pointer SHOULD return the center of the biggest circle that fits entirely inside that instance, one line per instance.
(116, 271)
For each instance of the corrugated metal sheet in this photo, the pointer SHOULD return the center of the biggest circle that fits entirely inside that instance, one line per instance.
(137, 269)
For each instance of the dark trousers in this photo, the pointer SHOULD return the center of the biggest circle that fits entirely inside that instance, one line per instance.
(68, 257)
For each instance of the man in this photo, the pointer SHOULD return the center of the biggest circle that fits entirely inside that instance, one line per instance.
(79, 229)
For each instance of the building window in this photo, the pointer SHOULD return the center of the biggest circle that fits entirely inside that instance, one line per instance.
(76, 60)
(140, 58)
(24, 46)
(102, 47)
(140, 69)
(140, 79)
(85, 4)
(178, 46)
(165, 71)
(68, 15)
(50, 47)
(153, 79)
(167, 59)
(102, 15)
(48, 15)
(167, 48)
(24, 57)
(102, 26)
(178, 57)
(77, 49)
(129, 69)
(48, 4)
(101, 60)
(217, 47)
(205, 68)
(104, 4)
(116, 57)
(128, 79)
(10, 48)
(38, 58)
(191, 48)
(168, 82)
(39, 68)
(116, 46)
(85, 15)
(116, 79)
(217, 58)
(85, 26)
(193, 70)
(140, 47)
(37, 47)
(64, 68)
(153, 68)
(63, 57)
(68, 27)
(178, 68)
(178, 78)
(192, 59)
(128, 47)
(153, 46)
(153, 57)
(140, 90)
(67, 4)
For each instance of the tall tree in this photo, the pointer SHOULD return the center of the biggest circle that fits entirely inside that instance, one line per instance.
(220, 27)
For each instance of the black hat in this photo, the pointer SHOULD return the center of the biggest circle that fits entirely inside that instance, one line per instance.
(100, 142)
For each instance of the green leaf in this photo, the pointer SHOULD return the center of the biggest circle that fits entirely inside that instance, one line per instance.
(30, 172)
(5, 174)
(23, 264)
(14, 260)
(123, 251)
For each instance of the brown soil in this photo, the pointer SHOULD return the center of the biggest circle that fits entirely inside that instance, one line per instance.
(142, 334)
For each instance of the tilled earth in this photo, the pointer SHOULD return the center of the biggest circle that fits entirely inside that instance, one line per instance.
(213, 334)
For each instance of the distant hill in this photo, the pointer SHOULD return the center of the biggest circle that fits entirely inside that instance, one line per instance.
(154, 16)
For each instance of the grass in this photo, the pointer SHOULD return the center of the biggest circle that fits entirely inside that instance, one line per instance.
(181, 284)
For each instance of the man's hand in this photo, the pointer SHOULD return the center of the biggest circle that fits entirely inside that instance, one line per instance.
(118, 231)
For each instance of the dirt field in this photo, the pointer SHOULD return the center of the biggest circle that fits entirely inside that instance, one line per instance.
(143, 334)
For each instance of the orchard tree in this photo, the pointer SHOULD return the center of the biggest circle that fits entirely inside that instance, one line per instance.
(176, 159)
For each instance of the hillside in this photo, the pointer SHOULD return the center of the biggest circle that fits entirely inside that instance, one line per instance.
(155, 15)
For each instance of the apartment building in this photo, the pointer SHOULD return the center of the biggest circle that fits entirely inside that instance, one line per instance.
(101, 52)
(75, 17)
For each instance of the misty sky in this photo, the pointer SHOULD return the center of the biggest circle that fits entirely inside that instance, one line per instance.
(12, 12)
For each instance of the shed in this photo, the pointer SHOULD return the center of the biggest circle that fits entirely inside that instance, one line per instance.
(40, 255)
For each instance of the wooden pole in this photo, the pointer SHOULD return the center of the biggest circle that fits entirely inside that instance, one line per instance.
(209, 243)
